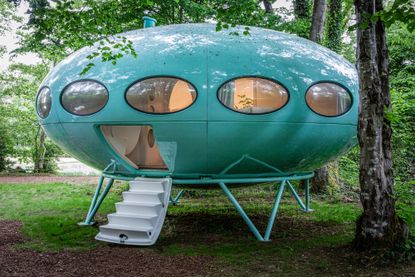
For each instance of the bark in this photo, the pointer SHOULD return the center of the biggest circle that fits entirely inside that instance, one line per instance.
(317, 23)
(40, 152)
(268, 6)
(379, 225)
(302, 9)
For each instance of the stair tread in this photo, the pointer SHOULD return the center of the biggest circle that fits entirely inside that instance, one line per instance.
(126, 228)
(138, 204)
(144, 191)
(143, 216)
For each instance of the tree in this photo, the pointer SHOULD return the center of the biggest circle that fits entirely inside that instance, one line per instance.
(378, 226)
(7, 15)
(317, 25)
(302, 9)
(402, 78)
(27, 141)
(334, 26)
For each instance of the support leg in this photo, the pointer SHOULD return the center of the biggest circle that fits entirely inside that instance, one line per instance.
(96, 202)
(274, 210)
(241, 211)
(300, 202)
(94, 199)
(176, 200)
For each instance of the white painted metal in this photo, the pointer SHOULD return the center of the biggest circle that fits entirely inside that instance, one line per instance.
(139, 218)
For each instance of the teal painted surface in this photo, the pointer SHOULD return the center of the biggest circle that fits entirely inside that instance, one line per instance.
(149, 22)
(205, 138)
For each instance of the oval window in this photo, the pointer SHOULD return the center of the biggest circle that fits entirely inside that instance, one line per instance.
(253, 95)
(328, 99)
(43, 102)
(161, 95)
(84, 97)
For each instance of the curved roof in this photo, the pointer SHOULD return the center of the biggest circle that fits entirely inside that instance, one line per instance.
(175, 39)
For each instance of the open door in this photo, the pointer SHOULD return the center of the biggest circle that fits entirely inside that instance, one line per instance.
(135, 144)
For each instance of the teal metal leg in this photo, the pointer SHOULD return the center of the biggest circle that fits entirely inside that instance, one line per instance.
(176, 200)
(274, 211)
(241, 211)
(94, 199)
(96, 202)
(303, 207)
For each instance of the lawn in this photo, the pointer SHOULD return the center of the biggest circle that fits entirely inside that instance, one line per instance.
(203, 224)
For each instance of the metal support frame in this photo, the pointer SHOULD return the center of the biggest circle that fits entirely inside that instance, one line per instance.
(176, 200)
(98, 198)
(274, 212)
(221, 180)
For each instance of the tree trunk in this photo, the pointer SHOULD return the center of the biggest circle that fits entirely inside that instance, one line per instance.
(334, 25)
(40, 151)
(326, 179)
(317, 24)
(379, 225)
(268, 6)
(302, 9)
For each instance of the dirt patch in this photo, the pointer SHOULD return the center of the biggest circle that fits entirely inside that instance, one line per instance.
(36, 179)
(104, 261)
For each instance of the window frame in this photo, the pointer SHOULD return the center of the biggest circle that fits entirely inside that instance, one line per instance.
(331, 82)
(37, 99)
(259, 77)
(78, 81)
(160, 76)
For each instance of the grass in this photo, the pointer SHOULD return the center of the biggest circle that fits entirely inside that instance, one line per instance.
(203, 224)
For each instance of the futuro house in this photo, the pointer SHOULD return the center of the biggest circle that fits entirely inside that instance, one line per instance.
(200, 107)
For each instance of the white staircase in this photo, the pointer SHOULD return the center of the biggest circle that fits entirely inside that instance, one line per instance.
(139, 218)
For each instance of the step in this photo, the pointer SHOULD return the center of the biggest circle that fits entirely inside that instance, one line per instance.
(138, 185)
(125, 234)
(139, 218)
(143, 197)
(132, 220)
(135, 208)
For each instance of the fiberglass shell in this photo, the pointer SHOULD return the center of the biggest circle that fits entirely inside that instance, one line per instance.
(207, 137)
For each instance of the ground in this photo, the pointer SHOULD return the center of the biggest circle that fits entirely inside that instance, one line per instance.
(203, 236)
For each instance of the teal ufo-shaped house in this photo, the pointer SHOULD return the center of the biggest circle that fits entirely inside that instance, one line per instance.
(201, 107)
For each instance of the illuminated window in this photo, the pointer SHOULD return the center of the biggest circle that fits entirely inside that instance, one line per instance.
(161, 95)
(84, 97)
(253, 95)
(328, 99)
(43, 102)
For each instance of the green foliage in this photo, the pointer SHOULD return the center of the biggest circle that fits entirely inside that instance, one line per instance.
(300, 27)
(334, 31)
(349, 168)
(405, 203)
(4, 147)
(7, 15)
(402, 81)
(302, 9)
(399, 11)
(18, 88)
